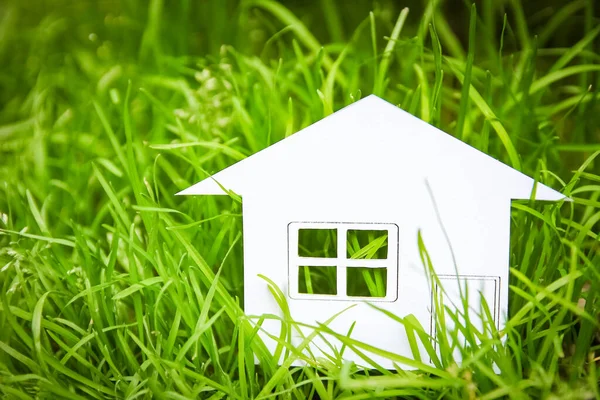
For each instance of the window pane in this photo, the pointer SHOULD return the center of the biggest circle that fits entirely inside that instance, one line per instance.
(317, 243)
(366, 282)
(367, 244)
(317, 280)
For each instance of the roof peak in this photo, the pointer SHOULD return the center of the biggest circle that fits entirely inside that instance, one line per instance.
(371, 131)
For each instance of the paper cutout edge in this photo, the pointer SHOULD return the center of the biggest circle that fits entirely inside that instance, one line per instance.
(217, 185)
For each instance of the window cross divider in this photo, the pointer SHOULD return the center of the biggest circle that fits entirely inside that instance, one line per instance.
(348, 262)
(341, 255)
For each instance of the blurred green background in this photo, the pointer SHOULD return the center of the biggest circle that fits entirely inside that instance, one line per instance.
(108, 108)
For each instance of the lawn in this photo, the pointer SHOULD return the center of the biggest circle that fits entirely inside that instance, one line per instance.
(112, 287)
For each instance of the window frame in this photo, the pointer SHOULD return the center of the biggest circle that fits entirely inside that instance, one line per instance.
(342, 262)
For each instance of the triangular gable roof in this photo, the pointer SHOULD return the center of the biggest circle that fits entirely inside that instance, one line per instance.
(372, 129)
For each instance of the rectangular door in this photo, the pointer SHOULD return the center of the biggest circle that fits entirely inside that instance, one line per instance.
(449, 294)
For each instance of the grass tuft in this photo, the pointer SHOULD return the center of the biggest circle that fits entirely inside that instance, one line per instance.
(112, 287)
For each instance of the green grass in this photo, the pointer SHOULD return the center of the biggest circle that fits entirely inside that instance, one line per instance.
(112, 287)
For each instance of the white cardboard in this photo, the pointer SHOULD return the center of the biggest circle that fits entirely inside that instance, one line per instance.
(373, 163)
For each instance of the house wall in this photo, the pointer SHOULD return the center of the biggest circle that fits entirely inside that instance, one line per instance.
(463, 232)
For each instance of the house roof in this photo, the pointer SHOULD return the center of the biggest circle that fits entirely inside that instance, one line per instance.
(372, 144)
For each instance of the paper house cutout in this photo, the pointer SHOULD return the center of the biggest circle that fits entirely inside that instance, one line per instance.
(372, 166)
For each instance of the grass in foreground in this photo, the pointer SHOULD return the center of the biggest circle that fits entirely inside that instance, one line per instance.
(109, 283)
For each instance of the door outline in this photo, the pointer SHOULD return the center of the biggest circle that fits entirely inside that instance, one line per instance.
(494, 307)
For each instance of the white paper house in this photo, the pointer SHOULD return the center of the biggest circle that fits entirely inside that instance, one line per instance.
(372, 166)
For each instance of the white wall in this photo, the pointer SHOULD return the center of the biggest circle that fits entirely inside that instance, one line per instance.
(477, 231)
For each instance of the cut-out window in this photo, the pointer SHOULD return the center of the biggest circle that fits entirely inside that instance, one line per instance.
(317, 243)
(317, 280)
(367, 244)
(343, 261)
(366, 282)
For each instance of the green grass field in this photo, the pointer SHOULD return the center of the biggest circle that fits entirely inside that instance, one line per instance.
(112, 287)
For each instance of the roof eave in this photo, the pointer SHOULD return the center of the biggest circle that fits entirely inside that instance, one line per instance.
(541, 192)
(208, 187)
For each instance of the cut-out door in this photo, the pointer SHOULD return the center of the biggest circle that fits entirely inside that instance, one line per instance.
(474, 288)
